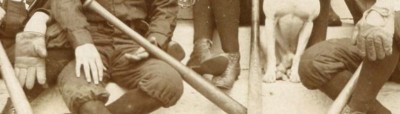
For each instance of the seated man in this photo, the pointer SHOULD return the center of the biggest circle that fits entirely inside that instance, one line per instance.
(106, 54)
(26, 48)
(328, 65)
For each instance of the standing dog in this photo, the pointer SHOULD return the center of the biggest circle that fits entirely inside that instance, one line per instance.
(288, 27)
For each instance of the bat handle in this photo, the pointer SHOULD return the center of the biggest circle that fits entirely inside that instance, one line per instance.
(344, 96)
(15, 90)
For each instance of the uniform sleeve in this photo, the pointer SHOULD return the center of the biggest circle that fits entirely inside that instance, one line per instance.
(14, 19)
(40, 6)
(68, 13)
(162, 19)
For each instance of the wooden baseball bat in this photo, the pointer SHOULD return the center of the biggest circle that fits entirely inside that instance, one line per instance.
(204, 87)
(18, 98)
(341, 101)
(255, 80)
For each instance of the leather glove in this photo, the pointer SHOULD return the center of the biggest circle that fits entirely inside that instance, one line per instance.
(373, 34)
(30, 53)
(141, 53)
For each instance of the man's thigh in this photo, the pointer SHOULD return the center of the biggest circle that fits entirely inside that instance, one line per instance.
(155, 77)
(56, 60)
(396, 75)
(321, 62)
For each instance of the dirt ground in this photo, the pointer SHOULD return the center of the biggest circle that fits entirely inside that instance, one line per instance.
(278, 98)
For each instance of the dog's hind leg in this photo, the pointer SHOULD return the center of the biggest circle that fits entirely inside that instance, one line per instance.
(284, 54)
(268, 47)
(304, 37)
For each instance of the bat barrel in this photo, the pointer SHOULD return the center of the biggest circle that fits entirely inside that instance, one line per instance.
(204, 87)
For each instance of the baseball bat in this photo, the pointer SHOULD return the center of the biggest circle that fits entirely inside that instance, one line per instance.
(204, 87)
(341, 101)
(255, 80)
(18, 98)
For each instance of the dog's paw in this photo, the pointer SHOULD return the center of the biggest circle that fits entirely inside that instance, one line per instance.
(270, 75)
(282, 75)
(282, 72)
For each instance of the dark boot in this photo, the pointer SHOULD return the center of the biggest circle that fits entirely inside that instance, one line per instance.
(203, 62)
(134, 102)
(175, 50)
(9, 108)
(334, 19)
(93, 107)
(227, 79)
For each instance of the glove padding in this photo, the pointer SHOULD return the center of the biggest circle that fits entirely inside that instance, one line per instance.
(375, 41)
(30, 53)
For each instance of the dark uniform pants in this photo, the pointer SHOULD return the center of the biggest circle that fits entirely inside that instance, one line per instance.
(329, 65)
(220, 14)
(152, 76)
(321, 63)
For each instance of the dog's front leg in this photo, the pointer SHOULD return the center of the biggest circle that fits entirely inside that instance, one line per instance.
(268, 47)
(301, 46)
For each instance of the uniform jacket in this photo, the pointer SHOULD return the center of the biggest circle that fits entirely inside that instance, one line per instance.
(73, 18)
(16, 16)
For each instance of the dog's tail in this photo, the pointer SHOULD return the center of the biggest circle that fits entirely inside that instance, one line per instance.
(290, 27)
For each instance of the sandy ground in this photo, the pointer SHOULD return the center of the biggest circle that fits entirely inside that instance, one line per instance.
(278, 98)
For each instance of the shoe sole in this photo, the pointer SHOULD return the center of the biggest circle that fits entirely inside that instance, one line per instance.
(215, 65)
(335, 23)
(176, 51)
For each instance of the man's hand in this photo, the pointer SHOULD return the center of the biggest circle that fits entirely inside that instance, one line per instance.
(88, 57)
(141, 53)
(30, 53)
(373, 34)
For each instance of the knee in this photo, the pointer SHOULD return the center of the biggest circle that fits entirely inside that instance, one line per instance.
(77, 91)
(77, 95)
(306, 69)
(163, 83)
(312, 69)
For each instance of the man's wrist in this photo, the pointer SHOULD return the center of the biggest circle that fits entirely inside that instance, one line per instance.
(79, 37)
(37, 23)
(374, 18)
(40, 17)
(377, 15)
(388, 4)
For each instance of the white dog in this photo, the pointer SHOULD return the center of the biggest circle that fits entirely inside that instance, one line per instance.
(288, 24)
